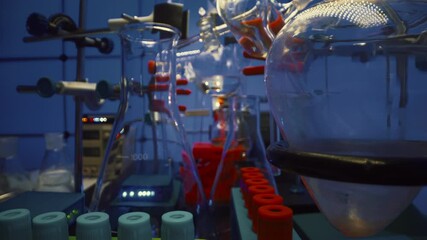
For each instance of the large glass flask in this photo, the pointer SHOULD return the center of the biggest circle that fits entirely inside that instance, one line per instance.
(148, 138)
(347, 78)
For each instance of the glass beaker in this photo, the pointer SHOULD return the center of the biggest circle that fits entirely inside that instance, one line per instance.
(148, 141)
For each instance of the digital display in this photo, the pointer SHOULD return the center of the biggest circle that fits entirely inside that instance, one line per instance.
(91, 134)
(97, 119)
(91, 152)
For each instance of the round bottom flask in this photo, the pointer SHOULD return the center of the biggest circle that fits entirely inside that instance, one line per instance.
(344, 82)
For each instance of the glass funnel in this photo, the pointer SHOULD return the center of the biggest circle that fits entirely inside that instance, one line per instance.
(148, 142)
(346, 78)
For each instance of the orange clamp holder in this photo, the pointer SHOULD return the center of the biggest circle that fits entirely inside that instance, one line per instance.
(158, 105)
(158, 87)
(253, 70)
(259, 25)
(257, 189)
(162, 78)
(151, 67)
(276, 25)
(183, 91)
(247, 44)
(249, 56)
(274, 222)
(181, 82)
(182, 108)
(260, 200)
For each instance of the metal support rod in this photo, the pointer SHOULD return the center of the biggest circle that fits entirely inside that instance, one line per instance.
(80, 71)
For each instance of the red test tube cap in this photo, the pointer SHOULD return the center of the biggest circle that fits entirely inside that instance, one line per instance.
(274, 222)
(151, 67)
(249, 175)
(249, 169)
(251, 182)
(252, 175)
(260, 200)
(257, 189)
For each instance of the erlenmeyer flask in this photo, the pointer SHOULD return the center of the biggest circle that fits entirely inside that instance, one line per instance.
(148, 138)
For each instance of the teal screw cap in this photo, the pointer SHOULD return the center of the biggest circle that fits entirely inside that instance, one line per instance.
(50, 226)
(177, 225)
(15, 224)
(134, 226)
(93, 226)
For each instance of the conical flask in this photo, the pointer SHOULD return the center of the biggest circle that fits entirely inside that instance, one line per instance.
(147, 143)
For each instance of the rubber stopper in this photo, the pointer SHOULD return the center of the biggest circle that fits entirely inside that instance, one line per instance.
(274, 222)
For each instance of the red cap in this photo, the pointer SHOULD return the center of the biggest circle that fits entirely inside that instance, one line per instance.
(274, 222)
(257, 189)
(260, 200)
(252, 175)
(162, 78)
(249, 169)
(249, 175)
(152, 66)
(251, 182)
(256, 181)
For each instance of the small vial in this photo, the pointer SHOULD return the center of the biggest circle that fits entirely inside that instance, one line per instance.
(15, 224)
(177, 225)
(93, 226)
(50, 226)
(134, 226)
